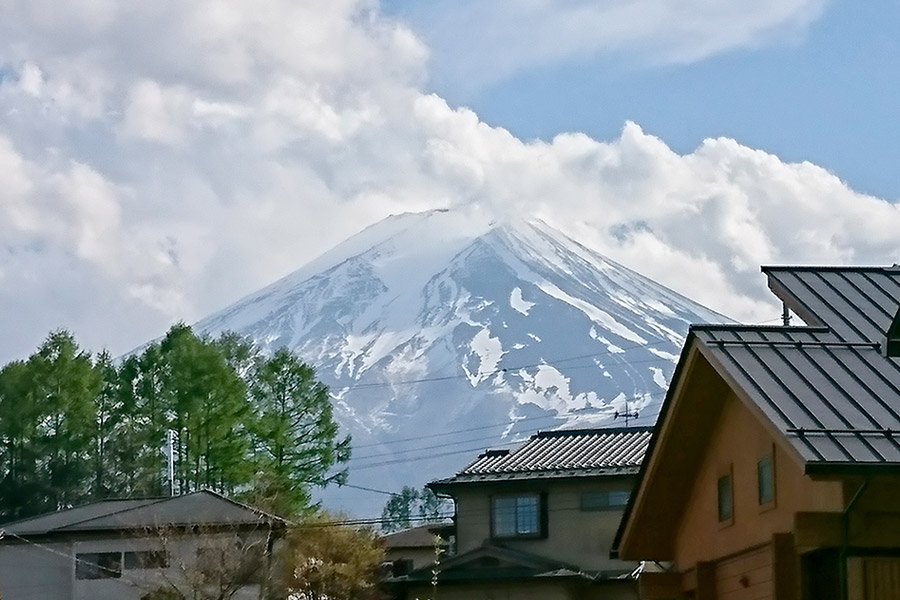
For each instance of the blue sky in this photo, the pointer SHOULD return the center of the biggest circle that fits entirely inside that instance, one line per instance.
(829, 94)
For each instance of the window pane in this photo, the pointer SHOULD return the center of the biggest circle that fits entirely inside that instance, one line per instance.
(724, 486)
(765, 474)
(527, 516)
(148, 559)
(515, 515)
(591, 501)
(98, 565)
(504, 516)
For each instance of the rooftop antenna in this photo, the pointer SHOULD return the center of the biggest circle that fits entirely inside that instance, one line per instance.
(170, 456)
(626, 415)
(785, 315)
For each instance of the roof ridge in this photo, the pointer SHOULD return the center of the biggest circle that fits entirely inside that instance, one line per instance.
(150, 502)
(592, 430)
(253, 509)
(85, 505)
(832, 268)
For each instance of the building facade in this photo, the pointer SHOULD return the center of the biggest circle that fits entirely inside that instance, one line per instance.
(127, 549)
(538, 521)
(774, 469)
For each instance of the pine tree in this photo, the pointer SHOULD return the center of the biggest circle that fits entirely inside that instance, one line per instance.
(20, 482)
(295, 435)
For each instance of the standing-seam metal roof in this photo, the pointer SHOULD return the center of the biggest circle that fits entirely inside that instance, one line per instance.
(828, 387)
(856, 304)
(564, 453)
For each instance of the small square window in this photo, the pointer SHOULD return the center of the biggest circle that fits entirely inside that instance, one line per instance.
(606, 500)
(765, 478)
(726, 507)
(516, 515)
(98, 565)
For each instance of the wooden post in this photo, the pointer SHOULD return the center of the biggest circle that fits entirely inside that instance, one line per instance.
(785, 568)
(706, 581)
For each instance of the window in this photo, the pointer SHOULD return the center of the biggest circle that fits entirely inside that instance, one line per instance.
(146, 559)
(517, 515)
(765, 478)
(607, 500)
(726, 508)
(98, 565)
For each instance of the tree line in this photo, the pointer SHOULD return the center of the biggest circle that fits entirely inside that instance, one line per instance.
(77, 427)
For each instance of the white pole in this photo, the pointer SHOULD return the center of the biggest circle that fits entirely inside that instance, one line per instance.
(170, 452)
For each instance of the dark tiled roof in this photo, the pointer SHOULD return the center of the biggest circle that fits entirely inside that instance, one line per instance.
(827, 387)
(198, 508)
(565, 453)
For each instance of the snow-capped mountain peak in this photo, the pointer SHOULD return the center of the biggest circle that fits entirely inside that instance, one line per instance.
(434, 325)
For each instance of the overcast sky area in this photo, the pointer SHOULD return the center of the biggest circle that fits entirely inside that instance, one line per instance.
(160, 160)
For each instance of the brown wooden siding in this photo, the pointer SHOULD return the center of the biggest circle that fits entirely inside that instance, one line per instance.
(881, 578)
(745, 577)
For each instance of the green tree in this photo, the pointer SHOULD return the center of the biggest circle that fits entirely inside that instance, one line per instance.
(412, 507)
(296, 441)
(143, 425)
(209, 411)
(64, 383)
(20, 482)
(75, 428)
(107, 420)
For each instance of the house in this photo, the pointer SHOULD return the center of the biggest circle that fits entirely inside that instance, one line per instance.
(774, 468)
(538, 521)
(415, 547)
(126, 549)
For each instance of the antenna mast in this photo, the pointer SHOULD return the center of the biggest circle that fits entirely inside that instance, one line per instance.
(626, 415)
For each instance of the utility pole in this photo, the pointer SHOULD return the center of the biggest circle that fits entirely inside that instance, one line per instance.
(170, 456)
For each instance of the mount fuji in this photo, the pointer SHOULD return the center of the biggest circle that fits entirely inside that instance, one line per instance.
(443, 333)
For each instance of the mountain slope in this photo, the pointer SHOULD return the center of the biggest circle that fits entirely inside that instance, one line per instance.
(463, 333)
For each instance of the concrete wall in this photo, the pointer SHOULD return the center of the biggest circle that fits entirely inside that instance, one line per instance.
(31, 573)
(576, 537)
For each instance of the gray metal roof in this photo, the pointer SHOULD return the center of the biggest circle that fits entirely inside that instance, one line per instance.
(198, 508)
(827, 387)
(564, 453)
(854, 303)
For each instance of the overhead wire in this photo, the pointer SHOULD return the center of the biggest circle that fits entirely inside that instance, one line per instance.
(483, 438)
(379, 384)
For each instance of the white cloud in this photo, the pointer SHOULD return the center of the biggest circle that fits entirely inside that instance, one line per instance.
(160, 160)
(478, 42)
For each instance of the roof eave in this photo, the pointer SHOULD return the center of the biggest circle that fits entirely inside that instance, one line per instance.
(626, 519)
(849, 469)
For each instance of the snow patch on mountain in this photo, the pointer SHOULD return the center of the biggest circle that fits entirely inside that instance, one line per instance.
(518, 302)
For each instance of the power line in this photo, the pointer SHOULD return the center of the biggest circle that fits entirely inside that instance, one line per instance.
(368, 489)
(483, 438)
(380, 384)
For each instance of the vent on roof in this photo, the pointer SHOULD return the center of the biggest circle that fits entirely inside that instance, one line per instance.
(493, 453)
(892, 348)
